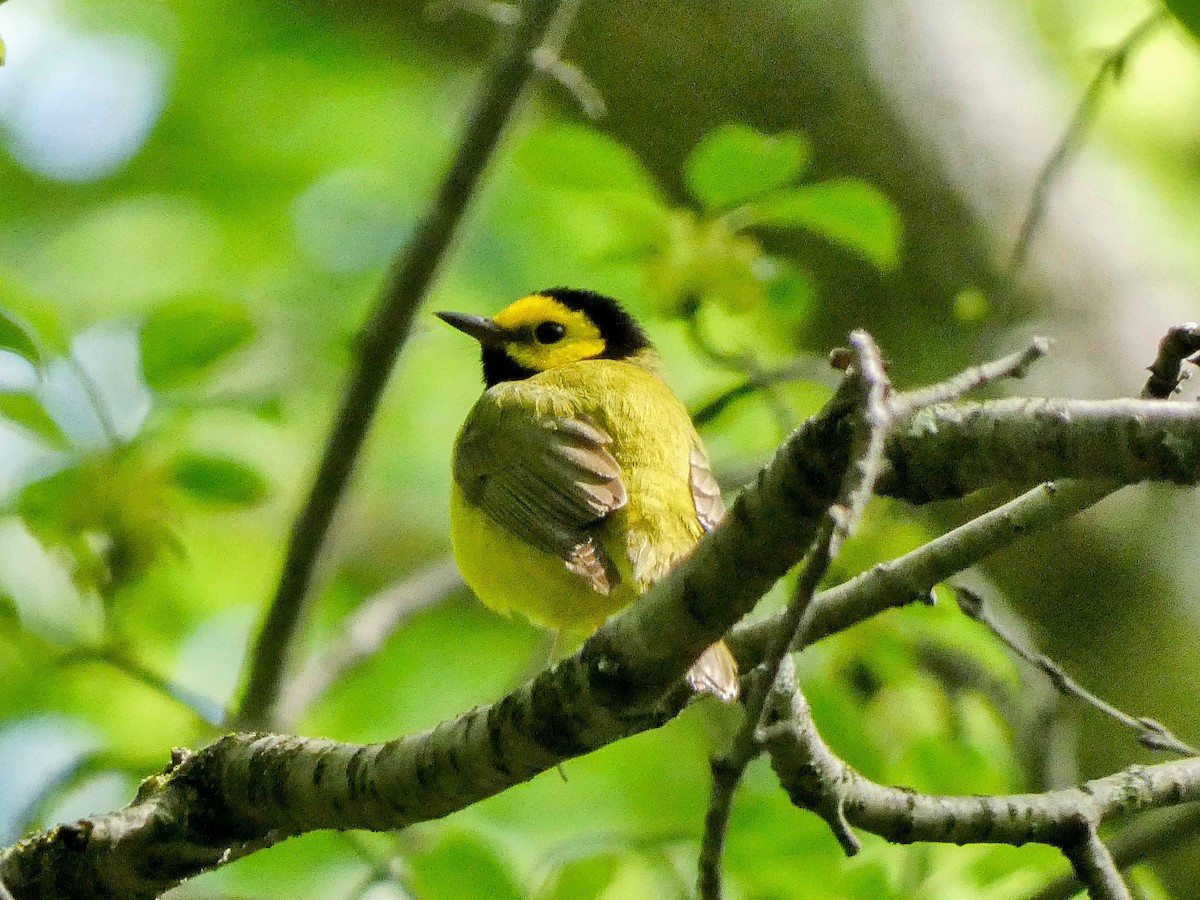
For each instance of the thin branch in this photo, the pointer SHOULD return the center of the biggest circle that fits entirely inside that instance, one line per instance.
(549, 61)
(744, 362)
(810, 772)
(365, 632)
(1113, 65)
(1153, 735)
(873, 388)
(1150, 835)
(1094, 867)
(206, 709)
(1012, 366)
(797, 371)
(4, 894)
(911, 577)
(91, 391)
(1179, 345)
(498, 13)
(726, 772)
(380, 342)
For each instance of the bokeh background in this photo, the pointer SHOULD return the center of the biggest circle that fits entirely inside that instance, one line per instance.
(197, 203)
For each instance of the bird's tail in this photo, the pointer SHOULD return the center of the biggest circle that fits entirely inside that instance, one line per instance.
(716, 673)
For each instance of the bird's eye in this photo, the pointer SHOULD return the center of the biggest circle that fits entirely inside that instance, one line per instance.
(549, 332)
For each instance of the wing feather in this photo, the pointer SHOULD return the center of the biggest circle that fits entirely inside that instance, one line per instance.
(548, 480)
(706, 493)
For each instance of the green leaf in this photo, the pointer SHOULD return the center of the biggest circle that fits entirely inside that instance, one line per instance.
(27, 412)
(218, 480)
(571, 157)
(735, 164)
(848, 212)
(582, 879)
(1187, 12)
(463, 867)
(183, 340)
(17, 337)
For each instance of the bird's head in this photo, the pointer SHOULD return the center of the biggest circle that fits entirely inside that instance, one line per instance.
(553, 328)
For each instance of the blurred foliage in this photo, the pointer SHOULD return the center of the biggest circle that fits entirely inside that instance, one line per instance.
(1187, 12)
(177, 293)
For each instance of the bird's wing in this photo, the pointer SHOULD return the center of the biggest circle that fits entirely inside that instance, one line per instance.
(547, 480)
(706, 493)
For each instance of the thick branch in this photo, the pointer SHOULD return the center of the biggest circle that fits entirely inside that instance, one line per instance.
(950, 450)
(378, 345)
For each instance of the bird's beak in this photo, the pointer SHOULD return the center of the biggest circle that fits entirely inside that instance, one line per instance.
(481, 328)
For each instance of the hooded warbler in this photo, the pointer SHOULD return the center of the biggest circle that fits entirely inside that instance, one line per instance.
(579, 479)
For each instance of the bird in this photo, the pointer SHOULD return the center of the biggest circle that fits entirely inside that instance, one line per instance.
(579, 479)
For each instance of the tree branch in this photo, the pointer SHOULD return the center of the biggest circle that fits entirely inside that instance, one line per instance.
(1179, 345)
(812, 775)
(379, 343)
(1113, 66)
(950, 450)
(1144, 839)
(1094, 868)
(1152, 734)
(873, 416)
(911, 577)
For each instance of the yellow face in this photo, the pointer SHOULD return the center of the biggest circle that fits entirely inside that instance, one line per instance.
(549, 333)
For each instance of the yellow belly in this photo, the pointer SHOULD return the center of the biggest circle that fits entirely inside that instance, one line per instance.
(507, 574)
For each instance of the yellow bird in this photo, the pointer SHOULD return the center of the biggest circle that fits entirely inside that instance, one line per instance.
(579, 479)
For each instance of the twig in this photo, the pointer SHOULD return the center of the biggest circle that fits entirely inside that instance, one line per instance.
(95, 400)
(726, 774)
(1112, 65)
(1179, 345)
(4, 894)
(797, 371)
(379, 871)
(835, 528)
(366, 631)
(379, 343)
(206, 709)
(1094, 867)
(548, 60)
(1153, 735)
(501, 14)
(1013, 366)
(745, 363)
(1144, 839)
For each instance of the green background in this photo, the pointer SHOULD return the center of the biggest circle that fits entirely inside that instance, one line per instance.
(197, 203)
